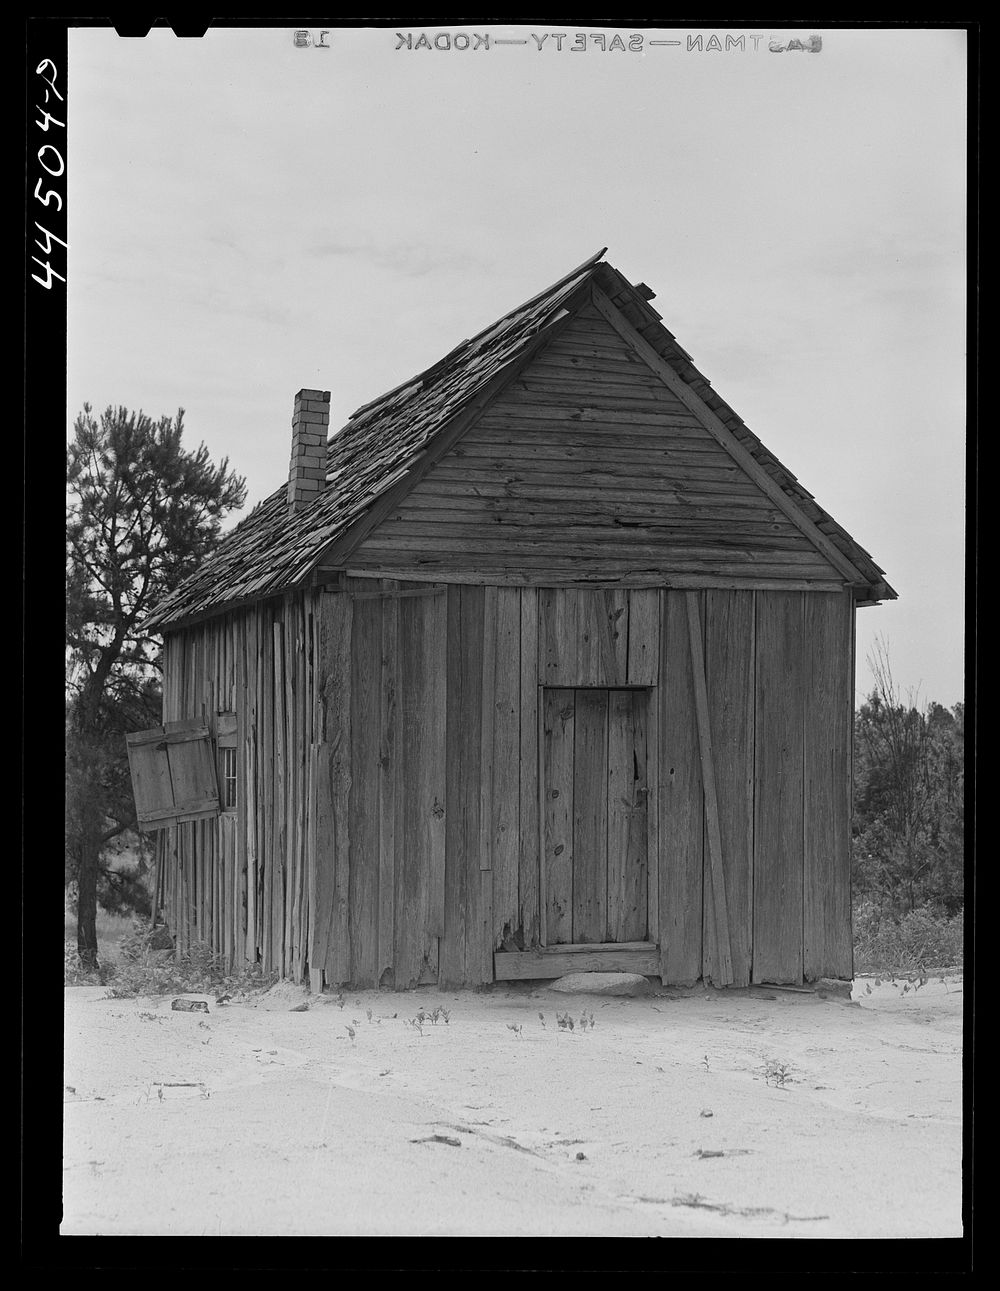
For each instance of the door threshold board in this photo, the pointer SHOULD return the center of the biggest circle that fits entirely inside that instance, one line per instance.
(555, 961)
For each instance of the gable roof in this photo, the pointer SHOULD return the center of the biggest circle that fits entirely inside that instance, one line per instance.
(385, 442)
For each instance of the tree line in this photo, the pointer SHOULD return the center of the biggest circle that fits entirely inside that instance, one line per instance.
(908, 844)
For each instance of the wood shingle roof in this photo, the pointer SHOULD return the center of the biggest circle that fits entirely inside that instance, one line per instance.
(272, 550)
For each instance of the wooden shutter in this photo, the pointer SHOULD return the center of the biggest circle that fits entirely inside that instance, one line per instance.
(173, 774)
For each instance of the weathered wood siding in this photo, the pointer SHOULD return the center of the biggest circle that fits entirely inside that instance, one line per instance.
(243, 884)
(383, 787)
(395, 742)
(588, 468)
(827, 947)
(780, 693)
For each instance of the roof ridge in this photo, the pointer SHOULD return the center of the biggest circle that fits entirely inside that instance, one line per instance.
(270, 552)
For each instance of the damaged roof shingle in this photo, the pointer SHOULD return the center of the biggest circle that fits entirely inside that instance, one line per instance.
(271, 550)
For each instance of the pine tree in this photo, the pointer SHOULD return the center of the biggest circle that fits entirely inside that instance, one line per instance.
(142, 512)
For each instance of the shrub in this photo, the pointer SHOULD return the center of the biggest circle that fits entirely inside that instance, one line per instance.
(145, 970)
(923, 938)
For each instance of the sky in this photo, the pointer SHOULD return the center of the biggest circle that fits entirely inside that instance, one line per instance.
(250, 215)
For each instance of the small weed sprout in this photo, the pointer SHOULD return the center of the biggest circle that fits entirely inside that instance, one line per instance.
(417, 1022)
(340, 1000)
(516, 1028)
(777, 1073)
(704, 1062)
(350, 1031)
(587, 1020)
(565, 1022)
(368, 1014)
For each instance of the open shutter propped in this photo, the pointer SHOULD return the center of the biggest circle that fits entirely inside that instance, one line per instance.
(173, 774)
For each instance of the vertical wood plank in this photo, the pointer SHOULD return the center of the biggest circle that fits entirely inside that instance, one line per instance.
(338, 616)
(853, 647)
(227, 885)
(488, 713)
(314, 966)
(289, 678)
(323, 846)
(244, 724)
(600, 619)
(364, 806)
(729, 669)
(216, 832)
(828, 720)
(653, 781)
(529, 916)
(267, 785)
(562, 636)
(303, 811)
(628, 794)
(611, 615)
(388, 770)
(505, 772)
(301, 799)
(431, 612)
(590, 817)
(460, 961)
(620, 791)
(681, 807)
(715, 880)
(485, 937)
(581, 662)
(279, 872)
(558, 737)
(546, 635)
(777, 881)
(259, 775)
(643, 636)
(413, 840)
(185, 887)
(314, 973)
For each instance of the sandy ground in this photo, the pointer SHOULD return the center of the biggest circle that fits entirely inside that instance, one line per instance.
(658, 1120)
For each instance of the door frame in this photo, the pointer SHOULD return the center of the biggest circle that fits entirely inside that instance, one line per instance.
(652, 827)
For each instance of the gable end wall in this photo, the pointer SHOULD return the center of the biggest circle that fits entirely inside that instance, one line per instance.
(588, 469)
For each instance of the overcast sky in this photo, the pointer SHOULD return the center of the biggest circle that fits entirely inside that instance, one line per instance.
(248, 217)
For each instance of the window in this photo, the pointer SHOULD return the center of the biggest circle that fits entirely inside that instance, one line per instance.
(173, 775)
(225, 741)
(228, 779)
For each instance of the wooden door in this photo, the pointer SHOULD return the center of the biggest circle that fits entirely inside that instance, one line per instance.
(594, 815)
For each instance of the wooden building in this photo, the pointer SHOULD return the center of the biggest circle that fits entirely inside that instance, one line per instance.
(543, 662)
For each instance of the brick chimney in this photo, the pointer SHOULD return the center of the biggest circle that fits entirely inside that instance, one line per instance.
(310, 427)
